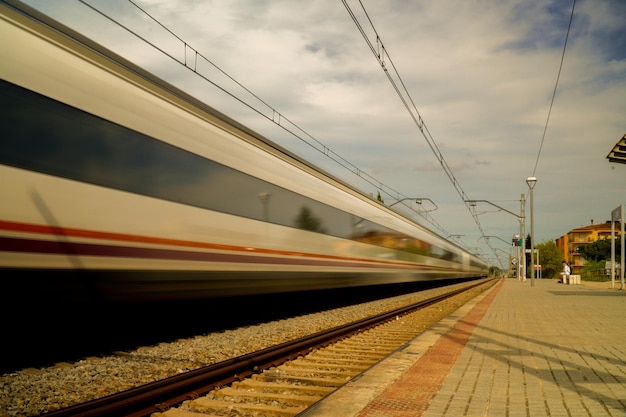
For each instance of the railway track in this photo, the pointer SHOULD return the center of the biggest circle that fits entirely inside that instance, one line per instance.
(279, 381)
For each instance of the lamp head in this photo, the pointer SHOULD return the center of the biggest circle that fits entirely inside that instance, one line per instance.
(531, 181)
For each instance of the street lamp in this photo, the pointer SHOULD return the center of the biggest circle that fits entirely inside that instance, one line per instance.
(531, 181)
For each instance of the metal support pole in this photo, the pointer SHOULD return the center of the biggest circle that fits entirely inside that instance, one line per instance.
(617, 215)
(531, 181)
(522, 234)
(532, 241)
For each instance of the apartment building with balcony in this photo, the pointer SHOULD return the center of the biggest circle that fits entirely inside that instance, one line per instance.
(575, 238)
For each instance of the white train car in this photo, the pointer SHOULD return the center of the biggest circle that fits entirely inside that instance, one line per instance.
(118, 186)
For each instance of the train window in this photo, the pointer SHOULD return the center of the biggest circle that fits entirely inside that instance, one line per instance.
(43, 135)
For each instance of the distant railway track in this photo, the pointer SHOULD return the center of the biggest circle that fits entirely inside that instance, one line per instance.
(282, 380)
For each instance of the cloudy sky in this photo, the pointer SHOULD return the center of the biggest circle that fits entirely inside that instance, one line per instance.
(481, 75)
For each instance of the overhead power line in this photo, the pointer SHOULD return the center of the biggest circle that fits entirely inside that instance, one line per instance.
(555, 87)
(380, 52)
(261, 107)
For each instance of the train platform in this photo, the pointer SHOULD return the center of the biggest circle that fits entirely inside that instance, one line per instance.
(518, 349)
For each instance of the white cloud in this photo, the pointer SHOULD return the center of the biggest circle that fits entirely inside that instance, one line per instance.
(481, 75)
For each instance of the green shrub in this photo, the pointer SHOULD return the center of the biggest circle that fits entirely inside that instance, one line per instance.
(594, 271)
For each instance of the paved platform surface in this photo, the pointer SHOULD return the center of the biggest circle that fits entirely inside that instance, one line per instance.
(525, 350)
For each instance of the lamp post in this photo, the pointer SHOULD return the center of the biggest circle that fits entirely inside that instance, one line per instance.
(531, 181)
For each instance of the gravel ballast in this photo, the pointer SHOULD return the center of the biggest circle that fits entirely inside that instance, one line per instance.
(30, 392)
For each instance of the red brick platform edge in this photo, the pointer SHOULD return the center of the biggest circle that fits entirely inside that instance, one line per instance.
(411, 394)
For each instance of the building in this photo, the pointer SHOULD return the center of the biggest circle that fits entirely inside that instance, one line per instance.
(579, 237)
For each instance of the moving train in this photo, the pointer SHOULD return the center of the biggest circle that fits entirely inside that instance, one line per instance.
(118, 186)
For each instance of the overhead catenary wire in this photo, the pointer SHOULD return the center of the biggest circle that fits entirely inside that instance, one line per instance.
(380, 52)
(545, 129)
(265, 110)
(382, 55)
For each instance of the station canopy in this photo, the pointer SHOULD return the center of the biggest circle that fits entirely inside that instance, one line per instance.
(618, 153)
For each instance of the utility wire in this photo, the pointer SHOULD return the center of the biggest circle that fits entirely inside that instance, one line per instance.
(555, 87)
(382, 55)
(276, 117)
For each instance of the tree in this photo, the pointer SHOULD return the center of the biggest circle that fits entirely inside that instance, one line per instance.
(379, 198)
(494, 271)
(600, 250)
(550, 258)
(307, 221)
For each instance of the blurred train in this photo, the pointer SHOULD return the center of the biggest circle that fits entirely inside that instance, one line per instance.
(118, 186)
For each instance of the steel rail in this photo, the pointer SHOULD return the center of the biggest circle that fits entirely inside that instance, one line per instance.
(163, 394)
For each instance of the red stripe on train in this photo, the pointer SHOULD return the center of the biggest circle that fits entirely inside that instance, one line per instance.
(62, 232)
(87, 249)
